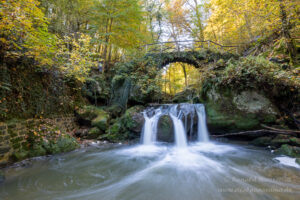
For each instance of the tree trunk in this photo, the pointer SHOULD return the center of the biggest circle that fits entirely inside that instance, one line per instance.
(286, 32)
(107, 38)
(185, 76)
(199, 22)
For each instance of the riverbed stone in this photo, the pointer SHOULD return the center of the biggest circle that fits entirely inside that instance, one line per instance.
(261, 141)
(285, 139)
(289, 150)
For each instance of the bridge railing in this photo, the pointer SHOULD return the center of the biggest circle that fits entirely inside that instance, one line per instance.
(187, 45)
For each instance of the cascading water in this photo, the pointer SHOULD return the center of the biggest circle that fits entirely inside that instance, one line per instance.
(150, 127)
(209, 170)
(181, 115)
(180, 134)
(202, 128)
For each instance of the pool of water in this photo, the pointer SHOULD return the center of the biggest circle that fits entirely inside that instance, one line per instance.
(155, 172)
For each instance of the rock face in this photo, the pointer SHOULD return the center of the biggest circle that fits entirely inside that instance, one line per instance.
(230, 111)
(184, 96)
(253, 102)
(165, 130)
(96, 90)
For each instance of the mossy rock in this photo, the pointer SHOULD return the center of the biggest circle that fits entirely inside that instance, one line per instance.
(86, 114)
(20, 154)
(165, 130)
(67, 143)
(51, 147)
(298, 161)
(295, 141)
(223, 118)
(92, 116)
(133, 119)
(280, 140)
(116, 128)
(101, 121)
(289, 150)
(115, 133)
(285, 139)
(261, 141)
(94, 133)
(115, 110)
(37, 150)
(64, 143)
(232, 111)
(127, 127)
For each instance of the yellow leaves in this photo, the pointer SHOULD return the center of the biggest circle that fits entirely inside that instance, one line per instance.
(23, 27)
(240, 21)
(75, 61)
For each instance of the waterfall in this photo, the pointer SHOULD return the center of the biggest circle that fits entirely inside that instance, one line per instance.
(202, 128)
(179, 128)
(180, 135)
(182, 116)
(150, 127)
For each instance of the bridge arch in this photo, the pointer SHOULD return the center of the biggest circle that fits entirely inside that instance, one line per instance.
(130, 79)
(196, 58)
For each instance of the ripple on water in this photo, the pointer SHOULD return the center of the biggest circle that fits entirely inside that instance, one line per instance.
(200, 171)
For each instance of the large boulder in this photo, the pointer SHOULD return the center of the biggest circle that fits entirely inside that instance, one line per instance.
(92, 116)
(229, 110)
(127, 127)
(101, 121)
(133, 119)
(165, 130)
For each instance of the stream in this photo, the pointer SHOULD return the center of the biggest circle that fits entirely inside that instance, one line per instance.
(154, 170)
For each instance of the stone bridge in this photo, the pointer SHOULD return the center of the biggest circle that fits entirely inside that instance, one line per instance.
(126, 82)
(196, 53)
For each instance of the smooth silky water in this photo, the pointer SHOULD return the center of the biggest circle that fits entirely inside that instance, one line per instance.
(156, 171)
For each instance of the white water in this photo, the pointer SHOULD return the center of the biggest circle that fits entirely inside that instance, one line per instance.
(177, 113)
(150, 127)
(180, 135)
(202, 128)
(206, 170)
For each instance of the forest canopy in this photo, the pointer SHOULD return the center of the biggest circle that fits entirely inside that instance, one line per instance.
(78, 35)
